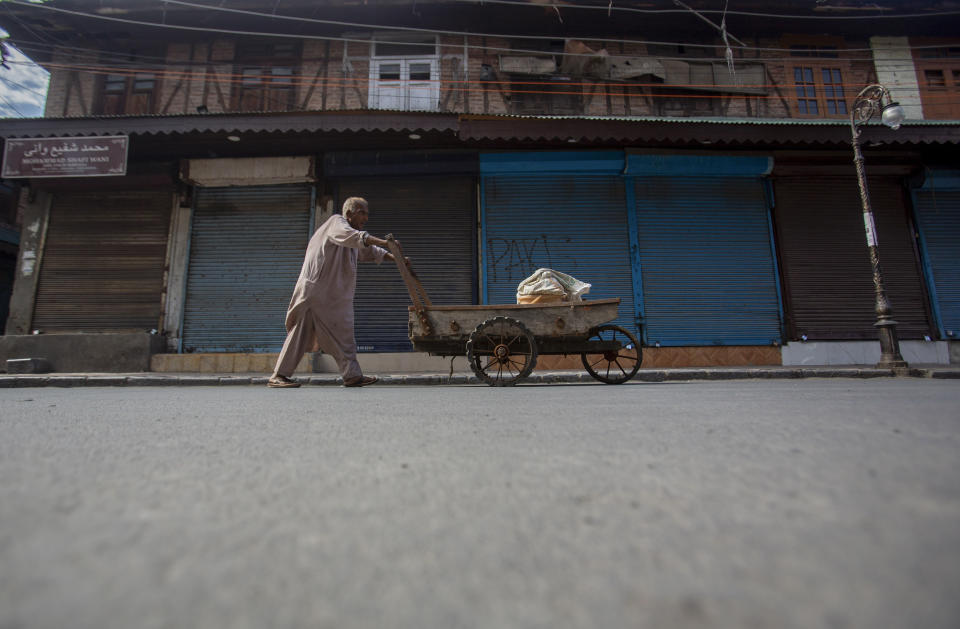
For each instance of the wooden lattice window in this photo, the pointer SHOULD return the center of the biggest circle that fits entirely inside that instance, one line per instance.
(267, 76)
(818, 81)
(938, 71)
(128, 93)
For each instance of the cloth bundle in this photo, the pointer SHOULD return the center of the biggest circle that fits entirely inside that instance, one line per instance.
(549, 286)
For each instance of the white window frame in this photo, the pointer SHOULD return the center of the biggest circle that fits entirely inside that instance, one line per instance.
(378, 100)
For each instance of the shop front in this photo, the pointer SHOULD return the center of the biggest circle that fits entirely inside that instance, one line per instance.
(705, 249)
(937, 210)
(683, 240)
(427, 200)
(245, 251)
(565, 211)
(827, 272)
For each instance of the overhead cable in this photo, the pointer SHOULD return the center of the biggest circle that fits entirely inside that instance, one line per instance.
(532, 86)
(21, 86)
(610, 7)
(373, 27)
(36, 47)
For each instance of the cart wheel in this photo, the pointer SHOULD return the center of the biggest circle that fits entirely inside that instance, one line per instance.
(614, 367)
(501, 351)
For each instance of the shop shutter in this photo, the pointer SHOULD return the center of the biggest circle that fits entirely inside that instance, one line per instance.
(246, 250)
(573, 223)
(103, 261)
(828, 281)
(434, 219)
(938, 218)
(706, 261)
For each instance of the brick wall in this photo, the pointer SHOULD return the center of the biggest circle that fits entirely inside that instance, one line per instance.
(314, 71)
(856, 65)
(72, 86)
(335, 75)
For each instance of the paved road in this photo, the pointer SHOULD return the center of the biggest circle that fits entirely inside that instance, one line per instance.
(781, 504)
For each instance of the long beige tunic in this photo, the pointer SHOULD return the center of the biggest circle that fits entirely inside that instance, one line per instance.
(320, 314)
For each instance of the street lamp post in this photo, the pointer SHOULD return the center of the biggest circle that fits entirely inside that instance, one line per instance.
(869, 101)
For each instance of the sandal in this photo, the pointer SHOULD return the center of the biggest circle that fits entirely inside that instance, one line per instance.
(282, 382)
(362, 381)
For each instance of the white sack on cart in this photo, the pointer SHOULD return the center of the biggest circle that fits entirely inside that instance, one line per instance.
(549, 285)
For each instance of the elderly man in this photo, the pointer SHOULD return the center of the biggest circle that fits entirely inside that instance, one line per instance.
(320, 315)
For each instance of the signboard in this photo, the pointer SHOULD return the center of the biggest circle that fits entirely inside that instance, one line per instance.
(96, 156)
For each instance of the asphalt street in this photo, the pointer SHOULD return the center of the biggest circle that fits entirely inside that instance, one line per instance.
(809, 503)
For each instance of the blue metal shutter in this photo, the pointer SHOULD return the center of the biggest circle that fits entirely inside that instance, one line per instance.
(246, 250)
(938, 219)
(434, 219)
(706, 260)
(576, 224)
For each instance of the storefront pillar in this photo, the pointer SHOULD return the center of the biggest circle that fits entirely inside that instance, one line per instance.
(36, 215)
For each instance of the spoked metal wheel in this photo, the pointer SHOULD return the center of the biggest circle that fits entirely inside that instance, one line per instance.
(501, 351)
(614, 366)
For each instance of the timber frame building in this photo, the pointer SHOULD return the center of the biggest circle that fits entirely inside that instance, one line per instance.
(702, 173)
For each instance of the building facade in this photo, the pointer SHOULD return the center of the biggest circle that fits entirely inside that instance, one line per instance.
(701, 173)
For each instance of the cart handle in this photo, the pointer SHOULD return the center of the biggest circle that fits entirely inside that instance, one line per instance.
(417, 293)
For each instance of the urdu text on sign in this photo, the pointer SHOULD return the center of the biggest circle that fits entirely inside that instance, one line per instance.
(96, 156)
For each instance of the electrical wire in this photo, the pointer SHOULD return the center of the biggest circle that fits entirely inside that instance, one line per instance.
(39, 35)
(165, 72)
(190, 70)
(796, 60)
(21, 86)
(608, 7)
(495, 87)
(367, 40)
(37, 48)
(12, 106)
(303, 79)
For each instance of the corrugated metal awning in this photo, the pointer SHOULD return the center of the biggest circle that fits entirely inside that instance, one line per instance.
(513, 128)
(721, 131)
(282, 122)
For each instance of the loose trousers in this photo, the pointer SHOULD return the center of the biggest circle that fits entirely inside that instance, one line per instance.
(343, 350)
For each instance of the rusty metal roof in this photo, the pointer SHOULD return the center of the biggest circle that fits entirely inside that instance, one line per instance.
(708, 119)
(283, 122)
(721, 131)
(501, 129)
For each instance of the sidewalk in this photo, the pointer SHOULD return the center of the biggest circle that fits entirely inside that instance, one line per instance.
(460, 378)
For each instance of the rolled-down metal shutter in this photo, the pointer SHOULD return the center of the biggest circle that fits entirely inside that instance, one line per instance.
(706, 261)
(246, 250)
(433, 217)
(828, 281)
(576, 224)
(103, 261)
(938, 219)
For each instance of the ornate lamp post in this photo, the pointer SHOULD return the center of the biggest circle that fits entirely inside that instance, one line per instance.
(869, 101)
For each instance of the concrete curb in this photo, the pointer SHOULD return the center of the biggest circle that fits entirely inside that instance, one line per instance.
(426, 379)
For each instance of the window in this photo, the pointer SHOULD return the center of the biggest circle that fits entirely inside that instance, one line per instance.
(817, 75)
(819, 91)
(267, 76)
(128, 93)
(938, 70)
(405, 75)
(935, 79)
(944, 52)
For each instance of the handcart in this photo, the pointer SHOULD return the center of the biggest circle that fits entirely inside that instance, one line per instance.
(502, 342)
